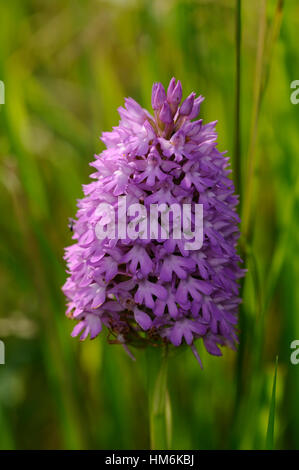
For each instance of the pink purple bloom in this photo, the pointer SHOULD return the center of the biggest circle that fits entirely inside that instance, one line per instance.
(147, 290)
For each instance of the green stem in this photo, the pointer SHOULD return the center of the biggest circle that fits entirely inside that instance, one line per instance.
(159, 406)
(263, 65)
(257, 93)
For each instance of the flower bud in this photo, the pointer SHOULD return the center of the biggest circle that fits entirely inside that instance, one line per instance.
(174, 93)
(196, 107)
(158, 96)
(165, 114)
(187, 105)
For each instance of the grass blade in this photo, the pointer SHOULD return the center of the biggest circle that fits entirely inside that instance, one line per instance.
(271, 420)
(246, 206)
(237, 153)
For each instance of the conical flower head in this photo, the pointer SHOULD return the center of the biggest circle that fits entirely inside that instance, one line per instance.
(155, 256)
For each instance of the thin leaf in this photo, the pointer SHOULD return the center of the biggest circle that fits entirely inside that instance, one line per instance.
(271, 420)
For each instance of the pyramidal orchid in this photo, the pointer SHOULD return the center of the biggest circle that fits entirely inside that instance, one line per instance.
(149, 290)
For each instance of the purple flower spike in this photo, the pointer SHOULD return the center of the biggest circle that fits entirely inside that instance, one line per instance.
(143, 284)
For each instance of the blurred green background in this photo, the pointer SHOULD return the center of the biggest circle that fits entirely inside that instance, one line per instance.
(67, 65)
